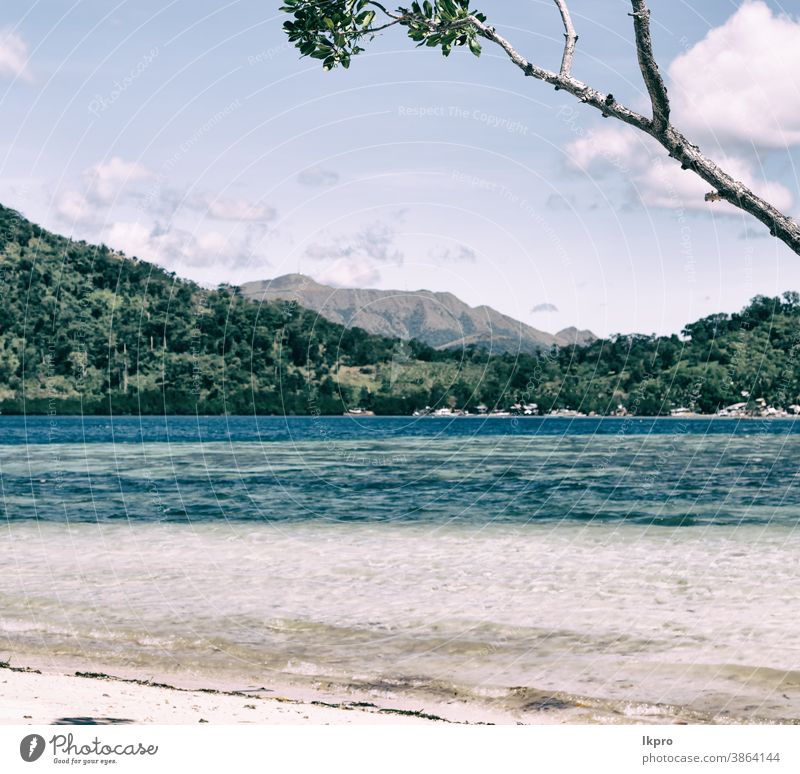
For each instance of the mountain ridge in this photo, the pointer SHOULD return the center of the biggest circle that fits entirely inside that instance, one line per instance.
(437, 318)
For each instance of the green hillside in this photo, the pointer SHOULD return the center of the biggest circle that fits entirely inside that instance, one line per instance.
(85, 329)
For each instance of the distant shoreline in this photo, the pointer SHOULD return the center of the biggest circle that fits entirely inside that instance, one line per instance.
(517, 417)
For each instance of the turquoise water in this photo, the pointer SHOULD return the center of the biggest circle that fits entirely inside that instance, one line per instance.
(644, 569)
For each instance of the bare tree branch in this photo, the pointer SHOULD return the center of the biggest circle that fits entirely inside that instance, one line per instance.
(677, 146)
(383, 8)
(382, 27)
(647, 64)
(571, 39)
(690, 156)
(729, 189)
(396, 18)
(603, 102)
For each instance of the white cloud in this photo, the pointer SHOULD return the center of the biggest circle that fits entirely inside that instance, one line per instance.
(659, 181)
(350, 273)
(662, 183)
(236, 209)
(13, 55)
(110, 206)
(740, 82)
(73, 206)
(107, 181)
(170, 247)
(104, 184)
(560, 202)
(457, 254)
(356, 259)
(211, 247)
(144, 242)
(604, 149)
(318, 176)
(374, 243)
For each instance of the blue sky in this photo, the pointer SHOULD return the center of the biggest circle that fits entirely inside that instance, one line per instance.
(191, 134)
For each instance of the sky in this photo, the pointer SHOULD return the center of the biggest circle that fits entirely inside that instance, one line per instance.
(189, 133)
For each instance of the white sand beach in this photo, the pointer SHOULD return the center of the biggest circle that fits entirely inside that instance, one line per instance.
(56, 693)
(59, 694)
(42, 698)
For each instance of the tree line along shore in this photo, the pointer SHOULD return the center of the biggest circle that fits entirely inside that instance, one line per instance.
(86, 330)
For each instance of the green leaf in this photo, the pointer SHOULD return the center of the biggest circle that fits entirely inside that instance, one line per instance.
(332, 30)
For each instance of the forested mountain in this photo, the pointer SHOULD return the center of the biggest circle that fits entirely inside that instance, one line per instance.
(85, 329)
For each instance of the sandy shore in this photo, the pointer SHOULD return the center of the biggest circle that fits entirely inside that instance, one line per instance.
(49, 692)
(58, 693)
(44, 698)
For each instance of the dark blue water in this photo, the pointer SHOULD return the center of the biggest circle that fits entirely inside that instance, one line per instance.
(183, 429)
(667, 472)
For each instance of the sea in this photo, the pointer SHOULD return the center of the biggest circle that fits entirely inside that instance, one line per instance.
(621, 569)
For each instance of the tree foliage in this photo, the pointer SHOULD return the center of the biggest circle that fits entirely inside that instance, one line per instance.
(334, 30)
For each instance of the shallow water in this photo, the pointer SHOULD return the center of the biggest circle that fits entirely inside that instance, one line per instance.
(635, 570)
